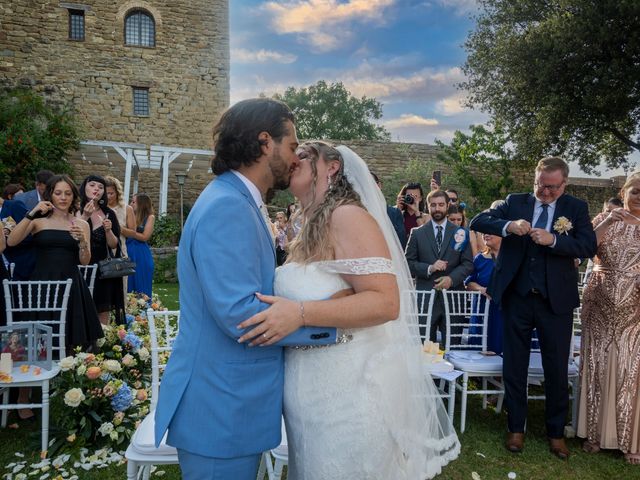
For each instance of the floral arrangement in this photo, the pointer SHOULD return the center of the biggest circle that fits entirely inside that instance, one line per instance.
(100, 398)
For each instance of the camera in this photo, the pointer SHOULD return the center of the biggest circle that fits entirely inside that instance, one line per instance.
(408, 199)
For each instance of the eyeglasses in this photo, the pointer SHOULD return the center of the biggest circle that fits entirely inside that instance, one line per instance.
(453, 199)
(551, 188)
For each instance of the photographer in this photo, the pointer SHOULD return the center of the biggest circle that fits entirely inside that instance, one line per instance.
(410, 202)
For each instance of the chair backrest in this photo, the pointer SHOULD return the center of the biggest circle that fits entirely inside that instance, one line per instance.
(163, 329)
(424, 300)
(89, 274)
(459, 307)
(42, 301)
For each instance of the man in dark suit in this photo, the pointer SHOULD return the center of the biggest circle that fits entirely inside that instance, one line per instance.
(33, 197)
(435, 262)
(535, 283)
(395, 216)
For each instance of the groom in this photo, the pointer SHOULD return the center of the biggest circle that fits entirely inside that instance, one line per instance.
(220, 400)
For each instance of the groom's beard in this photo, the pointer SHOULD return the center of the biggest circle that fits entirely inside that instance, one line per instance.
(280, 171)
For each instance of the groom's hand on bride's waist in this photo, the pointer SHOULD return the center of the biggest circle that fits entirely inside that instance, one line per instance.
(273, 324)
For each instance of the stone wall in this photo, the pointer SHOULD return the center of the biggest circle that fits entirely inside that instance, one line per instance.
(187, 72)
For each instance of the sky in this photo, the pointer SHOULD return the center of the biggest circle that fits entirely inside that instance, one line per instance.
(405, 53)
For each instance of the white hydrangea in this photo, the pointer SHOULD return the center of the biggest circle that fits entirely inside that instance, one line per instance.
(112, 366)
(81, 370)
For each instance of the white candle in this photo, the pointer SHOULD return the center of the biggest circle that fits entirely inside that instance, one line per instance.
(6, 363)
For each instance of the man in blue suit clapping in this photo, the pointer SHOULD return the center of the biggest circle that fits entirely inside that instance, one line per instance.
(220, 400)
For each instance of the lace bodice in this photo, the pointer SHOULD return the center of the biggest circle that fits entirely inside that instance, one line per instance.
(320, 280)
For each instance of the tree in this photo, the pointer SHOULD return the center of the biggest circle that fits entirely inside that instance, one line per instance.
(483, 164)
(331, 112)
(33, 136)
(562, 76)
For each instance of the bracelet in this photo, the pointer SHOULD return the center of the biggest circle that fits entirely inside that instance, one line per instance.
(28, 216)
(304, 323)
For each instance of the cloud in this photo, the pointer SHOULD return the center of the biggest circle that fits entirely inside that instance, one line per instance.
(324, 24)
(243, 55)
(452, 105)
(460, 7)
(410, 120)
(425, 84)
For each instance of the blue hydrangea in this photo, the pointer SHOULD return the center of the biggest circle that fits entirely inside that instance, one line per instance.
(132, 341)
(122, 399)
(106, 377)
(129, 318)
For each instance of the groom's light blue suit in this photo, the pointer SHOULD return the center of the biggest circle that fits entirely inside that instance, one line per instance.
(219, 398)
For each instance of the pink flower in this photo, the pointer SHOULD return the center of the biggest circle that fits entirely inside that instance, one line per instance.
(89, 358)
(122, 333)
(141, 395)
(93, 373)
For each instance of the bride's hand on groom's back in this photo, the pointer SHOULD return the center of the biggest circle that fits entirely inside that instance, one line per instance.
(273, 324)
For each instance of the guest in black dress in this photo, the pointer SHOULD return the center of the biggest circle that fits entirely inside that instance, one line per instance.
(108, 293)
(61, 242)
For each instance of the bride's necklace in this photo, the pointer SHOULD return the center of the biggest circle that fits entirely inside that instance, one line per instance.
(632, 215)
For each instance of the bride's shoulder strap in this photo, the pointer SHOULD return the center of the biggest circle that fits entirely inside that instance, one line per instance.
(358, 266)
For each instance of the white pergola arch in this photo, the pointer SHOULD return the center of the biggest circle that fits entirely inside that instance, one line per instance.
(139, 156)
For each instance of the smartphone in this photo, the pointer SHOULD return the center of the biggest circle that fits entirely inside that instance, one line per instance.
(437, 176)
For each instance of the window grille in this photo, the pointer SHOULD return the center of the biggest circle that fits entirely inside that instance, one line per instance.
(141, 101)
(76, 25)
(140, 29)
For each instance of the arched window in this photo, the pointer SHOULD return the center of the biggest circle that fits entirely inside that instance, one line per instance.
(139, 29)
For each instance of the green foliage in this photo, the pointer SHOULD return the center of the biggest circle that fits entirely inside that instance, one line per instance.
(33, 136)
(166, 232)
(482, 163)
(563, 77)
(165, 269)
(326, 111)
(415, 170)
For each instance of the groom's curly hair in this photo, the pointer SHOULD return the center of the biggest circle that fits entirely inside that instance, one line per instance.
(312, 242)
(236, 134)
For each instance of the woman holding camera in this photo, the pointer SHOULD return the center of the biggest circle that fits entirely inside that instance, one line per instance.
(410, 202)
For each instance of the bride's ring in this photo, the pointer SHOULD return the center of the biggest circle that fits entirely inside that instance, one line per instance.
(265, 336)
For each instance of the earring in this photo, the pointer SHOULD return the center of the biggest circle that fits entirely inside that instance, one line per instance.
(329, 182)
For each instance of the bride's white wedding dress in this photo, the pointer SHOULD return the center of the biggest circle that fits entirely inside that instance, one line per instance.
(353, 410)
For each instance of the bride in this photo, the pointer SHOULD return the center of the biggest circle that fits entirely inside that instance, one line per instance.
(363, 408)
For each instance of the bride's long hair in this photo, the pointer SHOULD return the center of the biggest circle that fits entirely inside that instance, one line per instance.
(312, 242)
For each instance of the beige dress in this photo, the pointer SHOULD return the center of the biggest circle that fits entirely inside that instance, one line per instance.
(609, 414)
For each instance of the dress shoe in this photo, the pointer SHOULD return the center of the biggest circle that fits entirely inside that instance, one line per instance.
(559, 448)
(515, 442)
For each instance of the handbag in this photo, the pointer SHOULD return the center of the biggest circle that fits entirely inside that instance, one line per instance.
(115, 267)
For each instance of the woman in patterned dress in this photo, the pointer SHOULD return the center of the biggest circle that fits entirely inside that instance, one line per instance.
(610, 352)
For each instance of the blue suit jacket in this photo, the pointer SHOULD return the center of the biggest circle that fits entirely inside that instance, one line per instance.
(219, 398)
(561, 274)
(30, 199)
(23, 254)
(397, 220)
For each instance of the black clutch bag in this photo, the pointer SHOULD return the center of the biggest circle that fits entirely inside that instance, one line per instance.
(115, 267)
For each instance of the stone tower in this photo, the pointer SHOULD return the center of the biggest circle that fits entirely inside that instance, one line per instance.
(152, 72)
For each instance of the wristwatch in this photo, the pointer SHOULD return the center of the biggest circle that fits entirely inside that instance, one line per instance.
(28, 216)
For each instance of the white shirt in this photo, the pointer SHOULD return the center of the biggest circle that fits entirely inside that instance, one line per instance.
(537, 211)
(253, 190)
(435, 226)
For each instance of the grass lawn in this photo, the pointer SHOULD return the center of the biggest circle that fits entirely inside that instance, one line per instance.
(482, 446)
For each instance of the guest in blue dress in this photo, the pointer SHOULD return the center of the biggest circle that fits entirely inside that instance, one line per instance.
(137, 246)
(483, 263)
